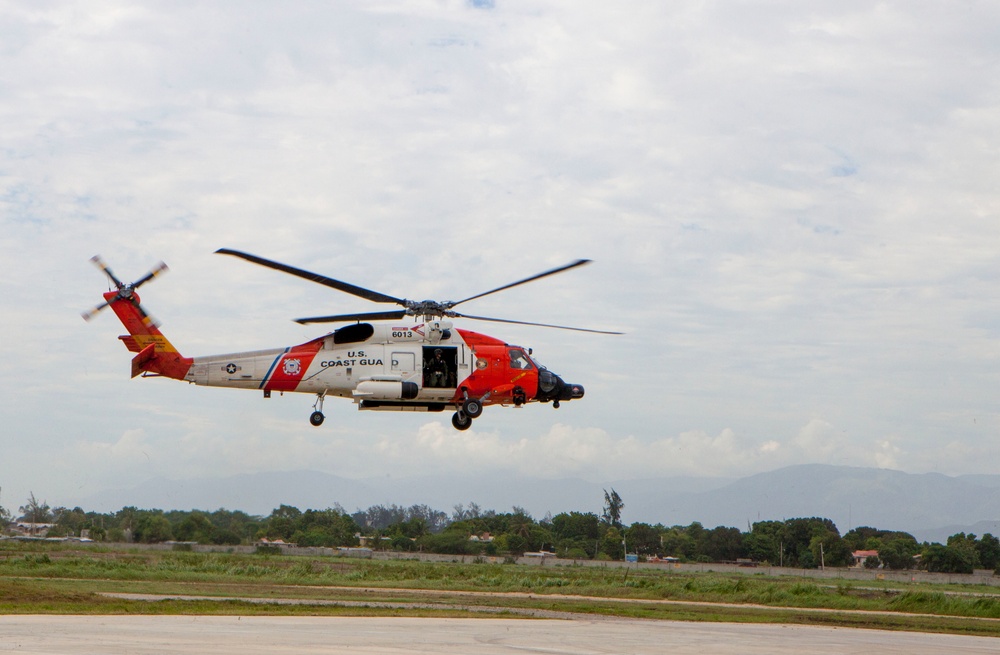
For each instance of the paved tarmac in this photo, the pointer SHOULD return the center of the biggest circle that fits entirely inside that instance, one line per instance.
(223, 635)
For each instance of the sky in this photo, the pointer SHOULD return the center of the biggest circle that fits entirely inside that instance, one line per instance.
(791, 206)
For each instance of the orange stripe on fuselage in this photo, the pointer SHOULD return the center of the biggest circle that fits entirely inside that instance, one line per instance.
(291, 367)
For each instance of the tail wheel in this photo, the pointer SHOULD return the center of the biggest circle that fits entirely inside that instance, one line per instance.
(472, 408)
(461, 421)
(316, 418)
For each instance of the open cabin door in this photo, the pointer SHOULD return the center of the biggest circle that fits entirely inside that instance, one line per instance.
(440, 366)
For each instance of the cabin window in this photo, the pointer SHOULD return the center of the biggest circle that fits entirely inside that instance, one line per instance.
(354, 333)
(519, 360)
(403, 362)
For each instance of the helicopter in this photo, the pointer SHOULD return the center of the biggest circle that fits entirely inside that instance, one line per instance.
(379, 360)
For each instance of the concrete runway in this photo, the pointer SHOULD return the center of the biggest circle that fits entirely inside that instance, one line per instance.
(222, 635)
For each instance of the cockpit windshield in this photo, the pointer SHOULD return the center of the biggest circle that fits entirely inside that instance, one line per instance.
(519, 360)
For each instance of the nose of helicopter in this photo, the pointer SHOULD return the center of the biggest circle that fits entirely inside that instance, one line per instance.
(572, 391)
(552, 387)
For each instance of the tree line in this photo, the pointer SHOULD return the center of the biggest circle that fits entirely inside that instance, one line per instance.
(471, 530)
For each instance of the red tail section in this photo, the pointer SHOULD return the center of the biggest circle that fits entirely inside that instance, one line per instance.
(156, 354)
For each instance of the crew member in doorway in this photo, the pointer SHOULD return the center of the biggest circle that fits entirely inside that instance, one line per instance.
(437, 370)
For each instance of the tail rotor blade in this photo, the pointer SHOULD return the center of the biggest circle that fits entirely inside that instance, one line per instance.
(99, 263)
(147, 318)
(125, 291)
(93, 312)
(159, 268)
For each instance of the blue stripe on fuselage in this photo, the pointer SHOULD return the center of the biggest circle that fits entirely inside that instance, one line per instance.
(273, 365)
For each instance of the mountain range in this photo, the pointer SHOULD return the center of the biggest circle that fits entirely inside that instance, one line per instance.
(930, 506)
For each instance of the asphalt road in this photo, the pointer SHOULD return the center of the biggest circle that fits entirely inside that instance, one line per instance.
(223, 635)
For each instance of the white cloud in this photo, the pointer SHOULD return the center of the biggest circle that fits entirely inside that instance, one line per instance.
(888, 453)
(819, 439)
(124, 452)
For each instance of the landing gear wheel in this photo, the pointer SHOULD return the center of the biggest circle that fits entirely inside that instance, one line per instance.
(472, 408)
(461, 421)
(316, 418)
(555, 404)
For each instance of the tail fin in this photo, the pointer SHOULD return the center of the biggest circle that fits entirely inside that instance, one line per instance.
(156, 354)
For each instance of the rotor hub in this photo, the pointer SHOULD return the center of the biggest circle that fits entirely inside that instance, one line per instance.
(425, 308)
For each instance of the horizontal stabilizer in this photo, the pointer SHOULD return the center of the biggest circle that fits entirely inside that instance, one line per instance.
(130, 343)
(139, 361)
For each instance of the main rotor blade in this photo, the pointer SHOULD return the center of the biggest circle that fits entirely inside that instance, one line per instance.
(505, 320)
(579, 262)
(99, 263)
(361, 292)
(368, 316)
(159, 268)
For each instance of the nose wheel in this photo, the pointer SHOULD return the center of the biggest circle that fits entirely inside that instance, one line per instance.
(470, 408)
(316, 418)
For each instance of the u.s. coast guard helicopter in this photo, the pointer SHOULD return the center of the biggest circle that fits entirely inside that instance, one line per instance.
(427, 365)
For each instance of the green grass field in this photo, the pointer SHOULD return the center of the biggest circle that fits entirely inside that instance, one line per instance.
(44, 578)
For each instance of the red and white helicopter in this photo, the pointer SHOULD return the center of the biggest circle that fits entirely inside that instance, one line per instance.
(389, 366)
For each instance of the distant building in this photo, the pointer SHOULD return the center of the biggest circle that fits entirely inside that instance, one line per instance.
(485, 537)
(861, 556)
(368, 541)
(27, 529)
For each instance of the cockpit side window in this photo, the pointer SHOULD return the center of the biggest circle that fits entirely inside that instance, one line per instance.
(519, 360)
